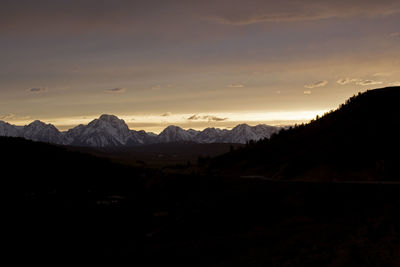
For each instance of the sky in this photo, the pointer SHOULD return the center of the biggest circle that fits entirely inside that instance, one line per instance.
(196, 64)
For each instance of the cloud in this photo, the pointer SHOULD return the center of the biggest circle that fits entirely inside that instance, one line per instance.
(347, 81)
(38, 90)
(307, 92)
(316, 84)
(259, 18)
(361, 81)
(215, 118)
(394, 34)
(394, 83)
(8, 116)
(306, 10)
(382, 74)
(115, 90)
(196, 117)
(166, 114)
(236, 85)
(368, 82)
(124, 15)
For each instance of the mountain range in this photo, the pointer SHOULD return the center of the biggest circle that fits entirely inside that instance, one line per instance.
(110, 131)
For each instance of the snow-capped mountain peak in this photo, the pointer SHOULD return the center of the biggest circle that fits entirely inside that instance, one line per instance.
(109, 130)
(7, 129)
(40, 131)
(211, 135)
(174, 134)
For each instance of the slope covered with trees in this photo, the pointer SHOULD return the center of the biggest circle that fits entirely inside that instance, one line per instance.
(358, 141)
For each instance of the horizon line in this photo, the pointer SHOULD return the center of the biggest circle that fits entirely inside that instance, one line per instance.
(198, 122)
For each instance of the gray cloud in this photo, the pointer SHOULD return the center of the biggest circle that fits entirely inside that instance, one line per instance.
(316, 84)
(115, 90)
(196, 117)
(38, 90)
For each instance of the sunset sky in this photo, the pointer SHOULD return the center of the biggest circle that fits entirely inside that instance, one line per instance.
(192, 63)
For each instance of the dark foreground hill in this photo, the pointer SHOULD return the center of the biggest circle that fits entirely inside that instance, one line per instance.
(358, 141)
(60, 205)
(65, 206)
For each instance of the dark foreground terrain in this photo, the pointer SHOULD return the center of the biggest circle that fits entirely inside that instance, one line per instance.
(212, 221)
(261, 223)
(69, 207)
(64, 206)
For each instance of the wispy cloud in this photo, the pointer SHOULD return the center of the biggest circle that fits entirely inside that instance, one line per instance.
(236, 85)
(348, 81)
(166, 114)
(361, 81)
(8, 116)
(394, 34)
(13, 117)
(196, 117)
(117, 90)
(382, 74)
(307, 10)
(215, 118)
(316, 84)
(307, 92)
(368, 82)
(38, 90)
(394, 83)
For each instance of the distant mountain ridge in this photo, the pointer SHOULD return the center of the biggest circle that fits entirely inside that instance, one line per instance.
(110, 131)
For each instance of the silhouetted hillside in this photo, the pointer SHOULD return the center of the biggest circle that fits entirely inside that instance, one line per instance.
(48, 192)
(61, 205)
(358, 141)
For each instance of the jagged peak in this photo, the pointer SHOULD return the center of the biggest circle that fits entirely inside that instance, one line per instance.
(38, 123)
(4, 122)
(241, 126)
(211, 130)
(110, 130)
(110, 120)
(173, 128)
(108, 117)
